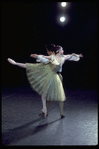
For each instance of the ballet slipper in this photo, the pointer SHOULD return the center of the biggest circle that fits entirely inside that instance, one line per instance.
(62, 116)
(11, 61)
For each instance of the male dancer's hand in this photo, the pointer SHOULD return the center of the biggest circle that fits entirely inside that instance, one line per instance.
(34, 55)
(81, 55)
(74, 54)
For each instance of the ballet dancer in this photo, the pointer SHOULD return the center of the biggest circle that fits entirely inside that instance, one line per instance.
(45, 79)
(57, 55)
(31, 68)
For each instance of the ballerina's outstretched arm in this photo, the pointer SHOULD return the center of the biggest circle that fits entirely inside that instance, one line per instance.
(48, 57)
(41, 58)
(15, 63)
(35, 56)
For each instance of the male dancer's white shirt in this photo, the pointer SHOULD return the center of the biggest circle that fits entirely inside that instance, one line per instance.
(69, 57)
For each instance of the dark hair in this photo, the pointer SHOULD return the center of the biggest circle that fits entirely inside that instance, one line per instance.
(54, 48)
(57, 48)
(50, 47)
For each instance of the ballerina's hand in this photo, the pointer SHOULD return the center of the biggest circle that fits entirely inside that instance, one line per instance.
(33, 55)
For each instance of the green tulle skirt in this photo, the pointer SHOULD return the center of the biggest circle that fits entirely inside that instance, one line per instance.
(45, 81)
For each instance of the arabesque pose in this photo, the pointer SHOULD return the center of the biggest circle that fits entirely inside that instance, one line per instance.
(45, 78)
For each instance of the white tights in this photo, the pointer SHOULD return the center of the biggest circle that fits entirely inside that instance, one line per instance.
(44, 110)
(15, 63)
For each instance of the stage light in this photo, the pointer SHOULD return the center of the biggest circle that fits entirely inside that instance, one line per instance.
(62, 19)
(63, 4)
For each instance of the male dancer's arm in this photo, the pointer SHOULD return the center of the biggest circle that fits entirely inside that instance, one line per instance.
(73, 57)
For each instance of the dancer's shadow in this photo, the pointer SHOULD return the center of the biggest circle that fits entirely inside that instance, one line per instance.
(24, 131)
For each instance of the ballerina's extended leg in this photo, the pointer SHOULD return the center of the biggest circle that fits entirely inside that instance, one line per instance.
(15, 63)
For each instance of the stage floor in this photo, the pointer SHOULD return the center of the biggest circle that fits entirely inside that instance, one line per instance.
(22, 125)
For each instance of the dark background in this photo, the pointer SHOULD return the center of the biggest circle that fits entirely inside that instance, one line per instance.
(28, 27)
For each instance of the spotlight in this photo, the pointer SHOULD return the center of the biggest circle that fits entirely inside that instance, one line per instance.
(62, 19)
(63, 4)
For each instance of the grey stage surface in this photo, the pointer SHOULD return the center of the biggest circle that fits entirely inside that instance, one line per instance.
(21, 124)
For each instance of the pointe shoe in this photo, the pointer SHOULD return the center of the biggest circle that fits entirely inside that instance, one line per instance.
(11, 61)
(44, 112)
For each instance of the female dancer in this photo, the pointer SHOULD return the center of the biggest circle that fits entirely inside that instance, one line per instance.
(36, 74)
(44, 78)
